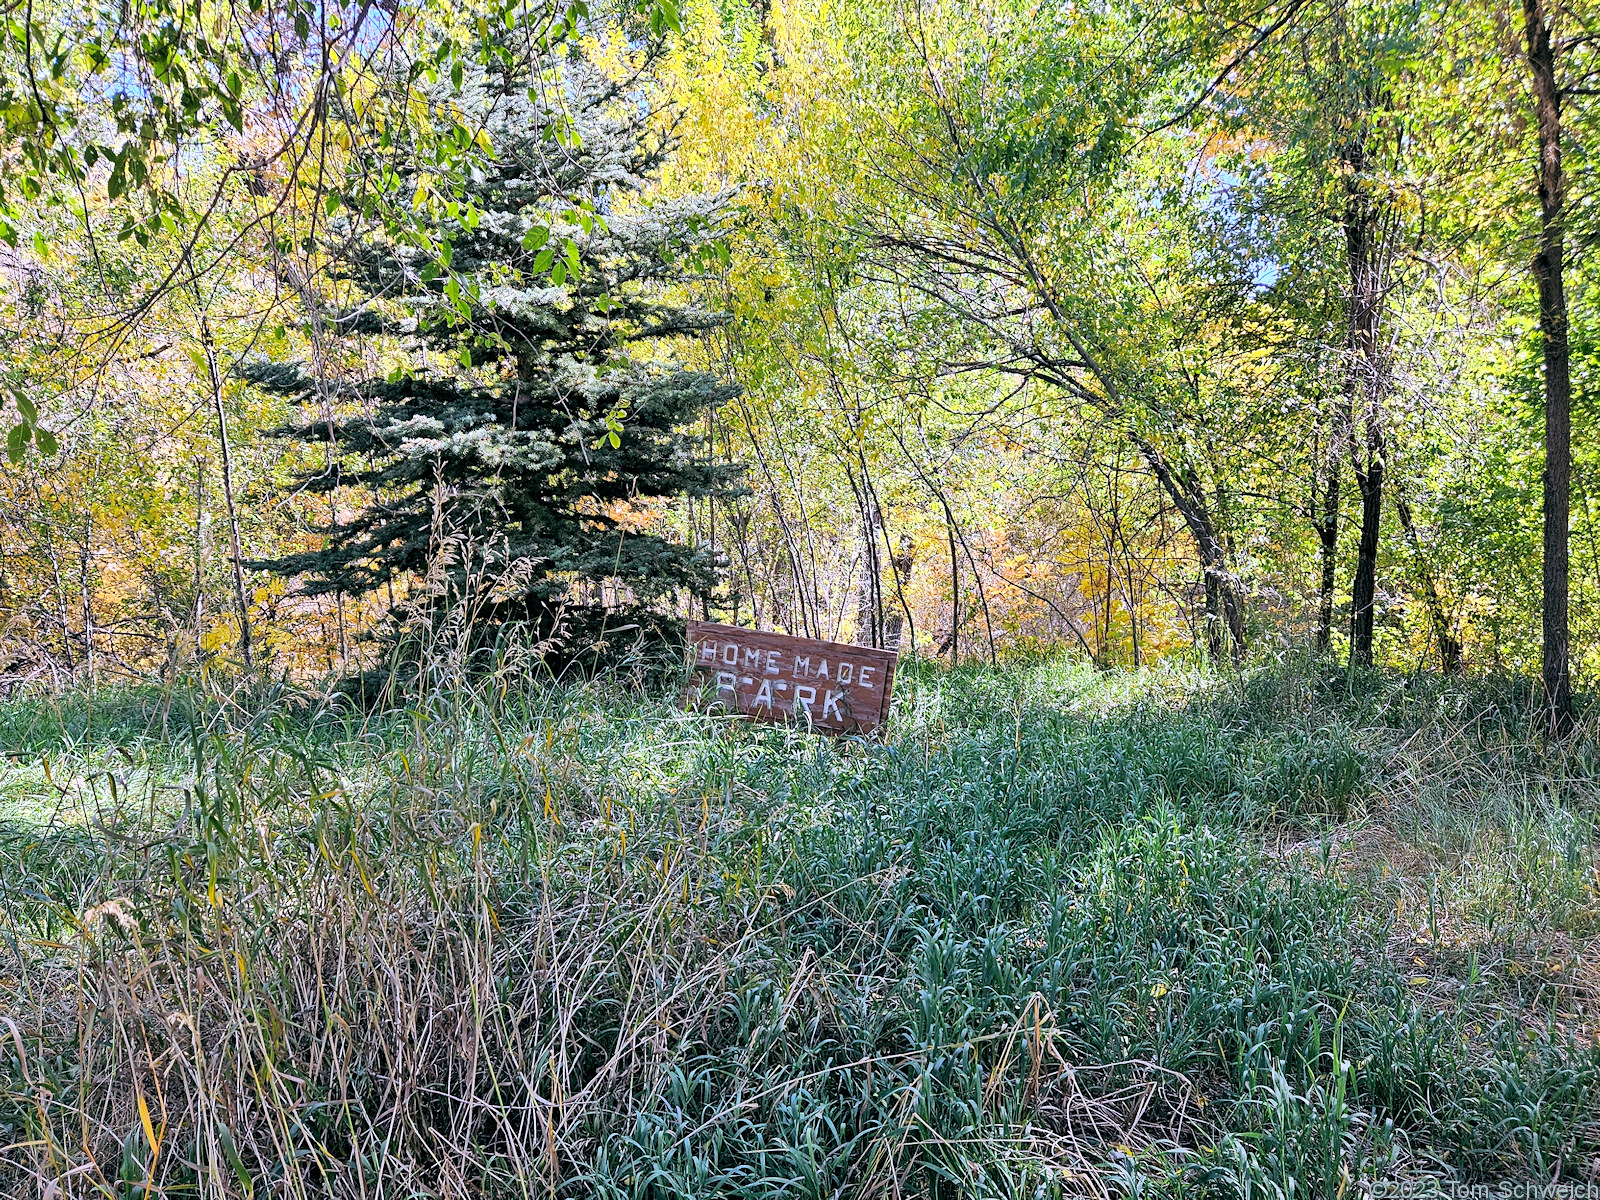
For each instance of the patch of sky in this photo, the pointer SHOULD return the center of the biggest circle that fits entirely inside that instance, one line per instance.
(1217, 195)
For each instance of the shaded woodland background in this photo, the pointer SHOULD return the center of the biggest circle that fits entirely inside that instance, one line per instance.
(1185, 388)
(1047, 329)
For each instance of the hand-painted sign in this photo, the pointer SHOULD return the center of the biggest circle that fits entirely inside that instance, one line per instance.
(774, 677)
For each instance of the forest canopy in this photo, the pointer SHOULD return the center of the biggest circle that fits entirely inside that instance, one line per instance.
(1189, 402)
(968, 329)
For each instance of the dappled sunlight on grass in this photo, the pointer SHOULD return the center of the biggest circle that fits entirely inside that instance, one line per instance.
(1061, 928)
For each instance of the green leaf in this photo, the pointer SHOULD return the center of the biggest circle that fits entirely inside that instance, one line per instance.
(466, 357)
(225, 1136)
(17, 441)
(40, 246)
(331, 204)
(30, 414)
(46, 440)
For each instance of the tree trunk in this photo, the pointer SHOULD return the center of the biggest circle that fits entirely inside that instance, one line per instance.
(1366, 379)
(86, 586)
(1364, 587)
(895, 627)
(234, 550)
(953, 642)
(1449, 644)
(199, 560)
(1213, 619)
(900, 567)
(1548, 266)
(1327, 527)
(1224, 611)
(869, 595)
(49, 541)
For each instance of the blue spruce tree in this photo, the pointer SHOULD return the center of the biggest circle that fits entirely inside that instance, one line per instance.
(508, 471)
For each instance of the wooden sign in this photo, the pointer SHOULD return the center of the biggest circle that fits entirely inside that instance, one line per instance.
(829, 686)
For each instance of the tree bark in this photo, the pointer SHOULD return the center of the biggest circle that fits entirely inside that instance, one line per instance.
(1548, 267)
(199, 559)
(869, 593)
(86, 587)
(894, 628)
(1327, 527)
(900, 567)
(1364, 587)
(954, 642)
(1449, 644)
(234, 549)
(1222, 593)
(1366, 379)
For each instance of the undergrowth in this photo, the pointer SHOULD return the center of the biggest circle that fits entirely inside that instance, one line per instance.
(1263, 935)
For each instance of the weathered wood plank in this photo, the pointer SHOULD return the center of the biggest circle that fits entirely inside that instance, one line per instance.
(830, 686)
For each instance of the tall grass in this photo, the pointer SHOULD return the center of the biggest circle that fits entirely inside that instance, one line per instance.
(1057, 933)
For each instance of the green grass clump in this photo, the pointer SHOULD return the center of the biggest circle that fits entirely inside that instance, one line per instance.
(1057, 933)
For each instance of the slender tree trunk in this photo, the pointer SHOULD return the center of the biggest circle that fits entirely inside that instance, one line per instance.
(55, 573)
(1365, 386)
(1213, 618)
(1224, 609)
(1327, 527)
(711, 517)
(1364, 587)
(209, 345)
(235, 552)
(954, 642)
(902, 563)
(869, 593)
(86, 587)
(983, 593)
(199, 558)
(1548, 267)
(900, 568)
(1449, 644)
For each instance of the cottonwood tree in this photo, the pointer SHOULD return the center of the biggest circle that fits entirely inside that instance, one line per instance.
(1319, 91)
(1544, 53)
(1013, 193)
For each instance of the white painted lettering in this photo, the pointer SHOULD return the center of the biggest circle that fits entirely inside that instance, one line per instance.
(831, 704)
(866, 676)
(847, 672)
(804, 698)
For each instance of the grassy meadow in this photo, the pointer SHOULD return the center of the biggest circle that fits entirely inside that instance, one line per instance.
(1271, 934)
